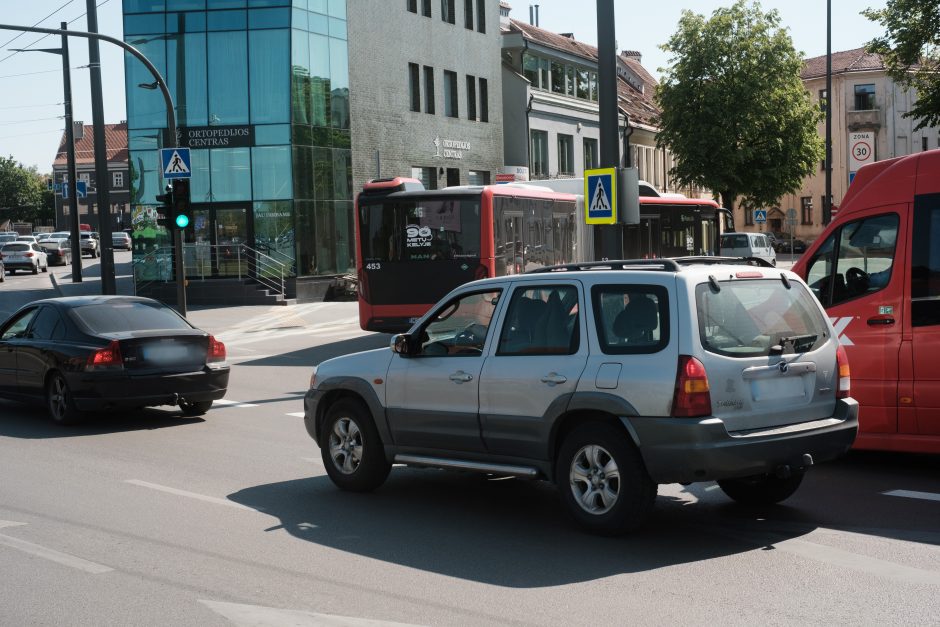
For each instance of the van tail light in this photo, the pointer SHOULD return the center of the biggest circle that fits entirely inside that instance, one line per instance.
(692, 397)
(216, 350)
(106, 358)
(845, 378)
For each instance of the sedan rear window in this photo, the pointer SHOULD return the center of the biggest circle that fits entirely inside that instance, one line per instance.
(15, 248)
(119, 317)
(746, 318)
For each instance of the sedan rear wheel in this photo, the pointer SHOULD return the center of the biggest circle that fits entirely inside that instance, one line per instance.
(59, 401)
(194, 408)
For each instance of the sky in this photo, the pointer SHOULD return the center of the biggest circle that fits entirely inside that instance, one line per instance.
(31, 110)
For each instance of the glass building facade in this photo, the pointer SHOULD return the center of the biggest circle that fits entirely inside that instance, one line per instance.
(261, 92)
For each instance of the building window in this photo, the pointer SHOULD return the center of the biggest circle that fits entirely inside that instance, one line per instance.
(558, 78)
(539, 165)
(429, 90)
(85, 177)
(468, 14)
(412, 5)
(923, 143)
(426, 8)
(447, 11)
(414, 86)
(475, 177)
(565, 155)
(484, 101)
(806, 210)
(865, 97)
(748, 217)
(481, 17)
(451, 109)
(590, 153)
(471, 97)
(117, 179)
(427, 176)
(530, 69)
(823, 100)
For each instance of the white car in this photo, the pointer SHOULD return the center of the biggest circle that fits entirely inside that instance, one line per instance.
(24, 256)
(27, 238)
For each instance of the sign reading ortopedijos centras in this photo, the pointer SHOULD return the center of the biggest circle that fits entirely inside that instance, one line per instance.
(232, 136)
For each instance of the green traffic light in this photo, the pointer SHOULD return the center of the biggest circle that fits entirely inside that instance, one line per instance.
(182, 221)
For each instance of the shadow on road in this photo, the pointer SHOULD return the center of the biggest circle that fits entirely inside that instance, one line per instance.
(316, 354)
(31, 422)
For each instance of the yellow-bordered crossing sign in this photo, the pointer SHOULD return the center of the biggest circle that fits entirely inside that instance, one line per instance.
(600, 196)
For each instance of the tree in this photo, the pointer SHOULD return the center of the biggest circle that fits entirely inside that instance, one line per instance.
(21, 191)
(734, 111)
(910, 49)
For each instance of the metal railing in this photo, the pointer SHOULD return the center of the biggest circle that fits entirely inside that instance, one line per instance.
(208, 261)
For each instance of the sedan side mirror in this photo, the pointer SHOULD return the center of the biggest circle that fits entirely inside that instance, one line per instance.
(401, 344)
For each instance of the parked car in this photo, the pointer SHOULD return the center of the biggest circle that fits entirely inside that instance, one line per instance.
(24, 256)
(3, 272)
(748, 245)
(607, 378)
(61, 235)
(43, 237)
(8, 236)
(58, 251)
(120, 239)
(89, 242)
(27, 238)
(94, 353)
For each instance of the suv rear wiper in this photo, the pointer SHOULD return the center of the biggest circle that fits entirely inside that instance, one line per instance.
(800, 343)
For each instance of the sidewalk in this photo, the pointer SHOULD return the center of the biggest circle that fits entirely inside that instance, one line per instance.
(61, 279)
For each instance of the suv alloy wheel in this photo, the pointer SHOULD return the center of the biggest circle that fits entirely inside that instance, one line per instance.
(352, 450)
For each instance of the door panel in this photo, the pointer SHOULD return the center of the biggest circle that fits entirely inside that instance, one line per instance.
(925, 312)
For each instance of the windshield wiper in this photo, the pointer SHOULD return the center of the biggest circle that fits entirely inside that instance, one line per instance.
(799, 343)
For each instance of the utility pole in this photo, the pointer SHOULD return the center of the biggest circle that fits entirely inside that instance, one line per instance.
(827, 203)
(608, 241)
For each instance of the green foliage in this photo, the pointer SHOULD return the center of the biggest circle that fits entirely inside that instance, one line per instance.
(910, 48)
(23, 194)
(735, 112)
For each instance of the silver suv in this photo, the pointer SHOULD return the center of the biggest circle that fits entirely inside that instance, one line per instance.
(606, 378)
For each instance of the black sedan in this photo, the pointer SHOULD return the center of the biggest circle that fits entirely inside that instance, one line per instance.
(94, 353)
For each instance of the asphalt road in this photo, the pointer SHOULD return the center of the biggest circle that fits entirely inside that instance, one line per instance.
(149, 518)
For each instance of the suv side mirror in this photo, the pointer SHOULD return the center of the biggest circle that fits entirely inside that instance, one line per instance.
(401, 344)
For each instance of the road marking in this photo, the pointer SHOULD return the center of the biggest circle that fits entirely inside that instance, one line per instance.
(296, 414)
(864, 563)
(50, 554)
(260, 616)
(225, 401)
(911, 494)
(192, 495)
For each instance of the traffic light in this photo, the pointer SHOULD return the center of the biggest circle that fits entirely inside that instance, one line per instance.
(165, 208)
(181, 210)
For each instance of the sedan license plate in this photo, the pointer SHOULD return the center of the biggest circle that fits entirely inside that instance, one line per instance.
(777, 387)
(164, 354)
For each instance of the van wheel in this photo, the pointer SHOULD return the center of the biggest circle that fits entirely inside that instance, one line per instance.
(602, 480)
(351, 448)
(761, 489)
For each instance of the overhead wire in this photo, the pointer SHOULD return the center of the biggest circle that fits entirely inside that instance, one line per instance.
(37, 24)
(9, 56)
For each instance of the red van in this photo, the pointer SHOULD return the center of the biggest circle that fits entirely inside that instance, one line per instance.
(876, 270)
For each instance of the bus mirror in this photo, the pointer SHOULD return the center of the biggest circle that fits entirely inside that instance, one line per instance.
(401, 344)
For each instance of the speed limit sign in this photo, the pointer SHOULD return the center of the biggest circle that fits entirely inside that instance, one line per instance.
(861, 149)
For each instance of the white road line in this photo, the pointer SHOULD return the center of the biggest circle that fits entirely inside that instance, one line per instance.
(864, 563)
(296, 414)
(50, 554)
(225, 401)
(192, 495)
(911, 494)
(260, 616)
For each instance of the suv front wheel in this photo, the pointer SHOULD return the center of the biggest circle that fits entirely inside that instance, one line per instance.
(602, 480)
(351, 448)
(761, 489)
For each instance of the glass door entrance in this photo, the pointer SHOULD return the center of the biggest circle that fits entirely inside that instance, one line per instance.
(215, 243)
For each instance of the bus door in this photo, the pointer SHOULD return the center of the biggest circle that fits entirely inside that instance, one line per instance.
(925, 312)
(706, 238)
(649, 244)
(856, 277)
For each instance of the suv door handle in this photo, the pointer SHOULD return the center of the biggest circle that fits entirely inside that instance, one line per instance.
(553, 378)
(461, 377)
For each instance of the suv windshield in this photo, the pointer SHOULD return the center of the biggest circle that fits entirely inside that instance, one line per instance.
(747, 318)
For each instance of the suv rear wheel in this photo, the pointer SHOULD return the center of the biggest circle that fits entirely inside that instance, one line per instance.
(603, 481)
(351, 448)
(761, 489)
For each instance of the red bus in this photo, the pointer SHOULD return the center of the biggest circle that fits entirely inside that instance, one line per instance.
(876, 270)
(415, 245)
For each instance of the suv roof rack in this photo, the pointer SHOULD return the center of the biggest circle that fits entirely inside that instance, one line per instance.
(751, 261)
(668, 265)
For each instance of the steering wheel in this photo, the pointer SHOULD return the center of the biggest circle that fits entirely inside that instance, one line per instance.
(857, 280)
(472, 335)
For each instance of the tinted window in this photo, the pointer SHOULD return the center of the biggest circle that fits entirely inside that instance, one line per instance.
(124, 316)
(18, 326)
(45, 325)
(10, 248)
(925, 262)
(418, 229)
(746, 318)
(631, 318)
(50, 245)
(541, 320)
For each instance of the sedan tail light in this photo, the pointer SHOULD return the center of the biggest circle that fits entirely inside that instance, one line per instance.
(108, 357)
(692, 397)
(216, 350)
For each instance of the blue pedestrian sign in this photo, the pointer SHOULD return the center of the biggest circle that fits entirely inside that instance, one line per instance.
(176, 163)
(81, 189)
(760, 216)
(600, 196)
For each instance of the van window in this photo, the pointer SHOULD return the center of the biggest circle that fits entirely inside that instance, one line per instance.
(925, 262)
(864, 263)
(734, 240)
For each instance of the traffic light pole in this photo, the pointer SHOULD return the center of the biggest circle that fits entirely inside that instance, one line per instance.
(170, 123)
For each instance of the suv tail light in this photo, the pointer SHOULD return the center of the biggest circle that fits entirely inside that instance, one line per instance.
(845, 379)
(216, 350)
(105, 358)
(28, 255)
(692, 397)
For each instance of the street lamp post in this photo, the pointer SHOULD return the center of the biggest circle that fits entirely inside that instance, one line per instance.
(827, 202)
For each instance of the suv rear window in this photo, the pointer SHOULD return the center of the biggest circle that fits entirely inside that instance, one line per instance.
(119, 317)
(15, 248)
(746, 318)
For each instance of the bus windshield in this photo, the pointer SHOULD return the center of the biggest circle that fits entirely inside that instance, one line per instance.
(419, 229)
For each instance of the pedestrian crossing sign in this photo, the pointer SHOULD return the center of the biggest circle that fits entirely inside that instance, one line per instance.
(600, 196)
(176, 163)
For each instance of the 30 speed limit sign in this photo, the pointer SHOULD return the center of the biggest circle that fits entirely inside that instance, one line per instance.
(861, 149)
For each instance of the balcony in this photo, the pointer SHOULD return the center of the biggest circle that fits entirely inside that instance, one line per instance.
(868, 120)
